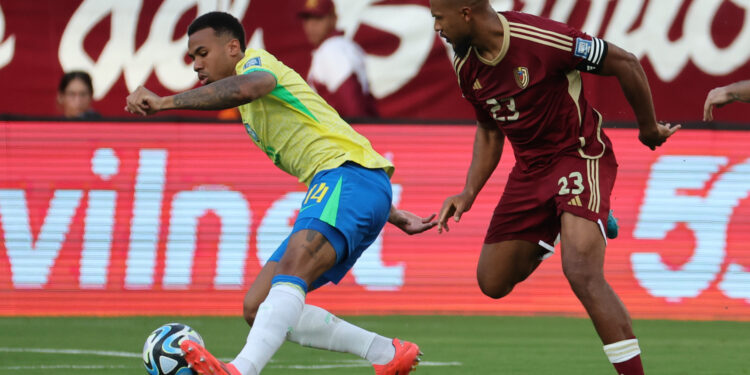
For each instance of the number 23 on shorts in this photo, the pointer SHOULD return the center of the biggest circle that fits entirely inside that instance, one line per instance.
(571, 184)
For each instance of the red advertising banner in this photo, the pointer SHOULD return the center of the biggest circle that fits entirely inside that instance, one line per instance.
(686, 48)
(170, 218)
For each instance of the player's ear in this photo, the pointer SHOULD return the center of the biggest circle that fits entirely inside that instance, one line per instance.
(466, 13)
(233, 47)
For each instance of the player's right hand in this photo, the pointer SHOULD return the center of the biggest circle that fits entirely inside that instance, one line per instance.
(656, 137)
(454, 206)
(143, 102)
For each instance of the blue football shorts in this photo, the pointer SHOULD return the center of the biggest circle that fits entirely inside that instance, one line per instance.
(349, 205)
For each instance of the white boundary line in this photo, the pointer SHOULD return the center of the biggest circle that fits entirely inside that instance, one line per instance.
(109, 353)
(63, 367)
(105, 353)
(364, 364)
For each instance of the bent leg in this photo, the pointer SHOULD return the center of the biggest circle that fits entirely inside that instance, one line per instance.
(318, 328)
(308, 255)
(583, 264)
(504, 264)
(298, 261)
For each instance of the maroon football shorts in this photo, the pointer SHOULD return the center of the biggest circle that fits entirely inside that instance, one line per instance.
(532, 203)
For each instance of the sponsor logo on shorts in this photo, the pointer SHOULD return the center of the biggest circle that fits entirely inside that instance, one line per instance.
(576, 201)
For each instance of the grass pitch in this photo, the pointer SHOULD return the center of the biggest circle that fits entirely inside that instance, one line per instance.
(452, 345)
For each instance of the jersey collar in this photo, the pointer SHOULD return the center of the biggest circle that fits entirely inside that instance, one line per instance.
(504, 48)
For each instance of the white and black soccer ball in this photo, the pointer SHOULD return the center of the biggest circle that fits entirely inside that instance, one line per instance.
(161, 352)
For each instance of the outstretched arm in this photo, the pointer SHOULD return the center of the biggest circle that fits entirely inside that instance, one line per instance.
(738, 91)
(488, 147)
(629, 72)
(225, 93)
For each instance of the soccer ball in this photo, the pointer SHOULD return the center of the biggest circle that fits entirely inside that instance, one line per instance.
(161, 352)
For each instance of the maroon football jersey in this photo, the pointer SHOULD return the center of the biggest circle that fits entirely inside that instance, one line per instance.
(533, 89)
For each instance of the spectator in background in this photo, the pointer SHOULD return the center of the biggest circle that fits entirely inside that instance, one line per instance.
(720, 96)
(337, 71)
(74, 96)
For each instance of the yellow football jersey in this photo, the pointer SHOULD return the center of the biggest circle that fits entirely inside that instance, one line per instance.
(296, 128)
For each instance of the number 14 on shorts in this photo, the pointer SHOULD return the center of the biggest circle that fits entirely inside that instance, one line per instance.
(317, 192)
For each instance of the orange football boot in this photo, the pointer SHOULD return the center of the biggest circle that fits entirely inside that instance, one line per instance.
(404, 361)
(203, 362)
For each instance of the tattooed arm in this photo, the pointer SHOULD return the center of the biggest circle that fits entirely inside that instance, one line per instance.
(225, 93)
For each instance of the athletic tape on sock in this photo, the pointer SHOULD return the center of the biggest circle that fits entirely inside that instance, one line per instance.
(622, 351)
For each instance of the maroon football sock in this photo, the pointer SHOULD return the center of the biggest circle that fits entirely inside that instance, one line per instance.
(632, 366)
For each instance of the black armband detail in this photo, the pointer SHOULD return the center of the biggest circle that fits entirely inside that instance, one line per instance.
(593, 52)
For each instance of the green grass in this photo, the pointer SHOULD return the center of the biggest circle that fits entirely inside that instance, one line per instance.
(482, 345)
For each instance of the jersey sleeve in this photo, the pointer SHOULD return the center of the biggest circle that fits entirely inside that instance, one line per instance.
(590, 51)
(575, 49)
(256, 60)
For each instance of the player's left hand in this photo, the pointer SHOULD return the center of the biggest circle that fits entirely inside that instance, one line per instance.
(656, 137)
(143, 102)
(410, 223)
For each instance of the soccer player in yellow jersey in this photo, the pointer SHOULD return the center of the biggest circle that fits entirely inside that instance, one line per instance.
(347, 203)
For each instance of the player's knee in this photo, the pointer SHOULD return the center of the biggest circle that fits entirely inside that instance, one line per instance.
(494, 288)
(249, 310)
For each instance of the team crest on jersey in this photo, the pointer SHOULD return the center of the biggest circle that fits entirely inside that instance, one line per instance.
(255, 61)
(522, 76)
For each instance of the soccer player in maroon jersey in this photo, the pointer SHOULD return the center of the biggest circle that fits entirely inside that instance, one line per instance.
(522, 75)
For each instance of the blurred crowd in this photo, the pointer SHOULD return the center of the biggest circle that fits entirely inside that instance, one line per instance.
(337, 72)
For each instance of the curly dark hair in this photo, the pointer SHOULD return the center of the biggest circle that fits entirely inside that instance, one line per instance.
(222, 23)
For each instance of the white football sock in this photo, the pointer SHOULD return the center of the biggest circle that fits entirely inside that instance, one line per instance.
(381, 351)
(317, 328)
(275, 318)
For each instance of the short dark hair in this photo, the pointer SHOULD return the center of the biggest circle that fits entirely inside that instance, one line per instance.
(222, 23)
(73, 75)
